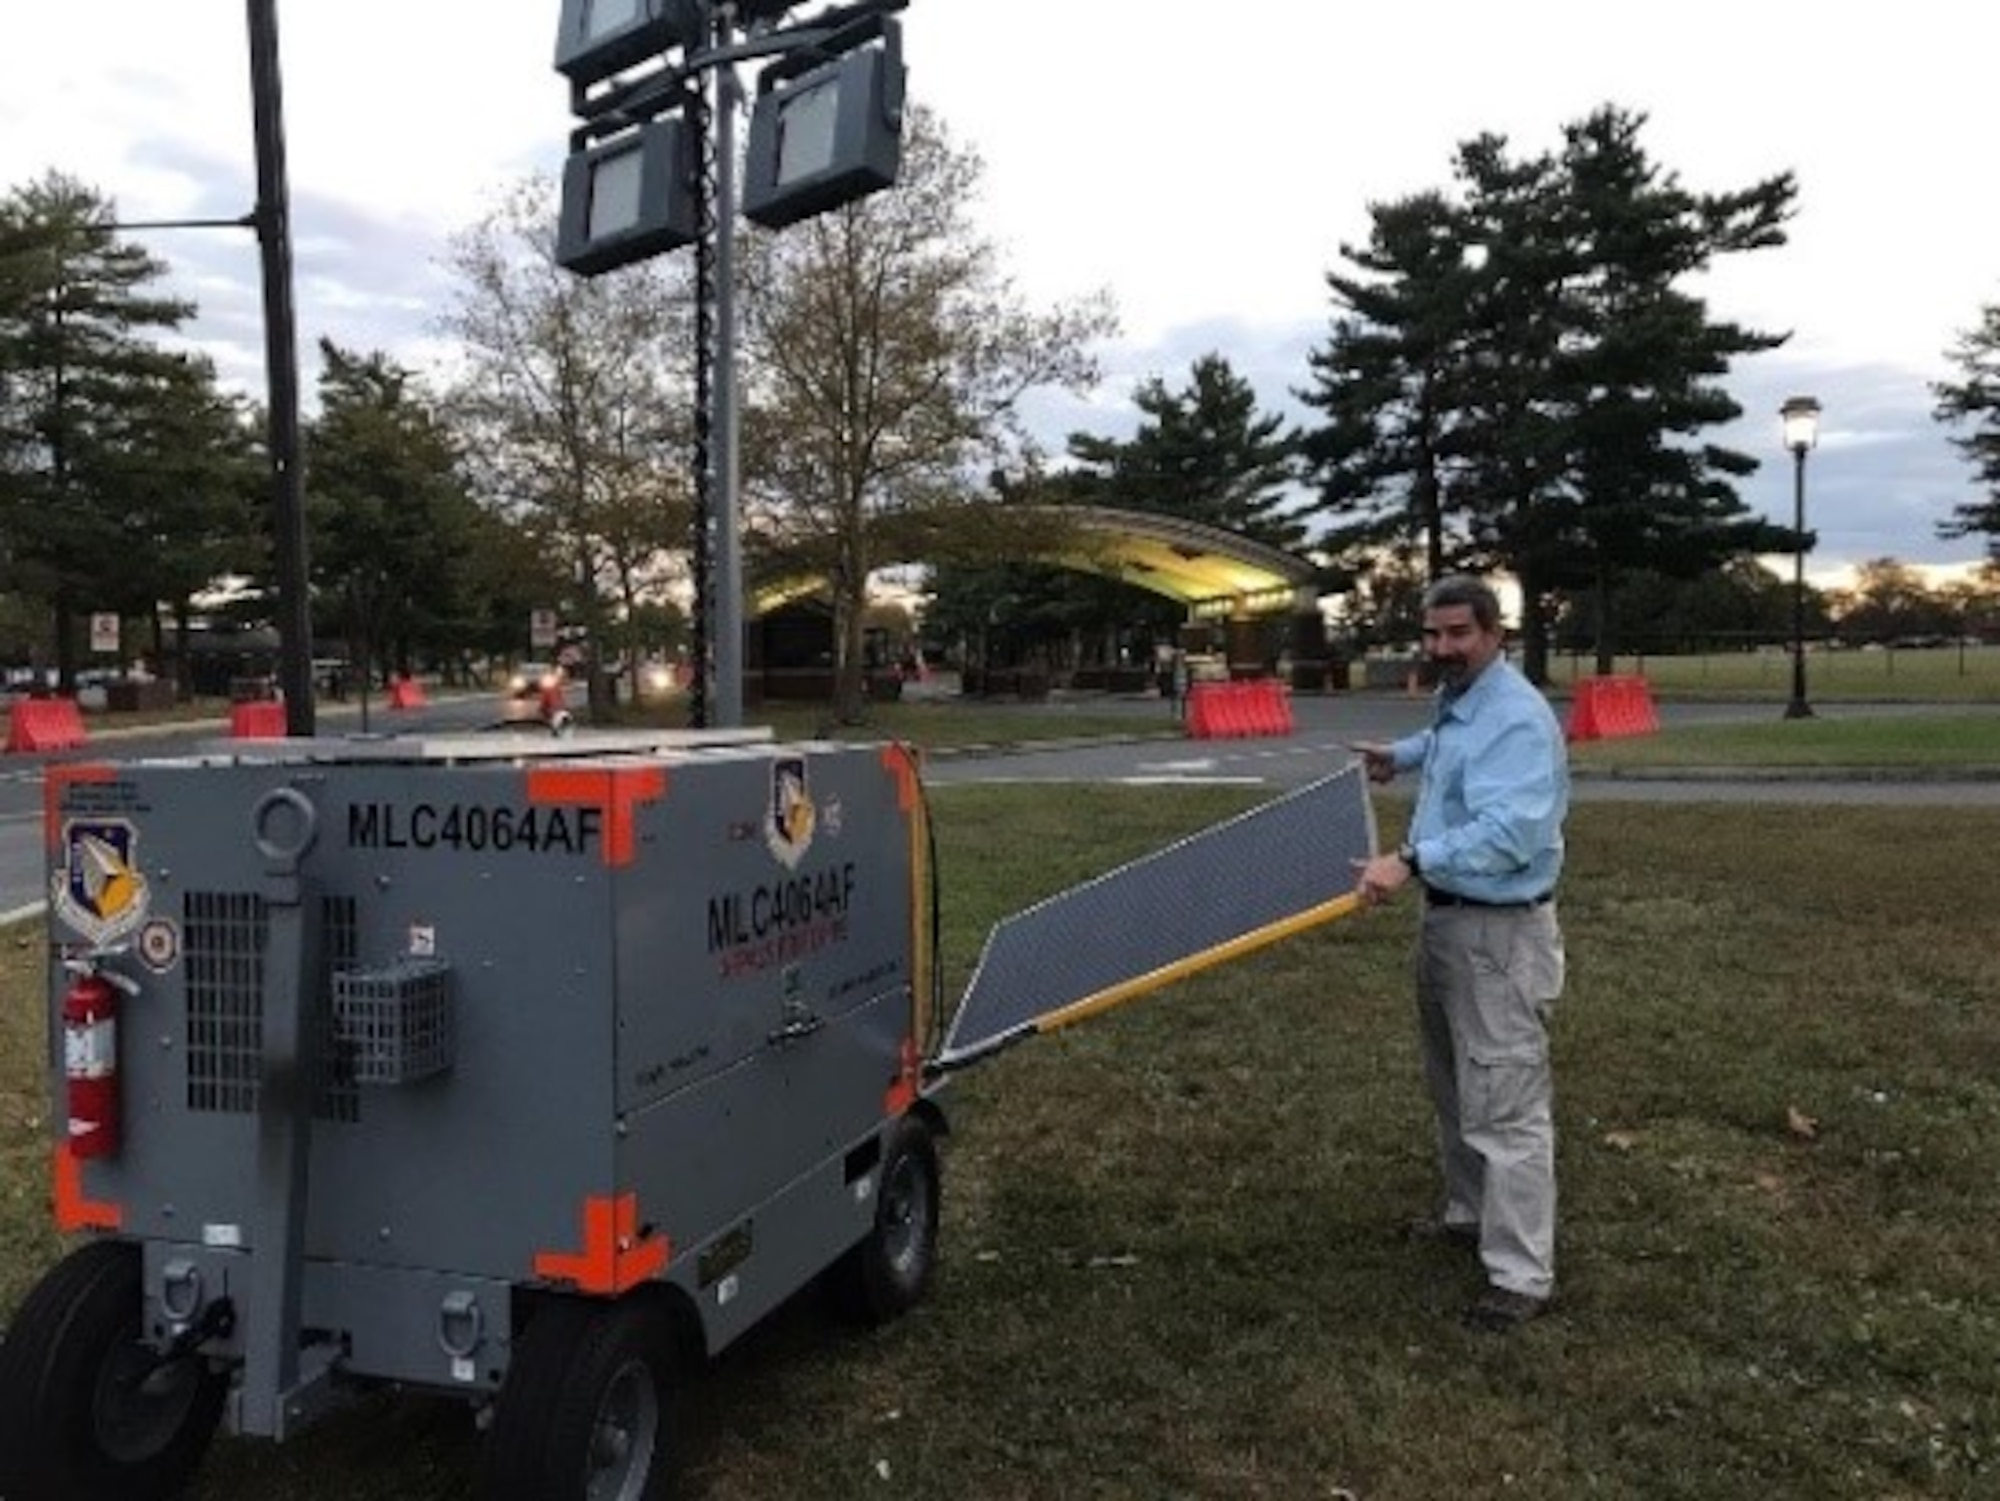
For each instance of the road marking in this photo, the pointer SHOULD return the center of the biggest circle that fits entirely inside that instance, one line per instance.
(1220, 780)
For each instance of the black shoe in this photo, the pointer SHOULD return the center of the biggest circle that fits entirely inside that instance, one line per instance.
(1499, 1310)
(1432, 1231)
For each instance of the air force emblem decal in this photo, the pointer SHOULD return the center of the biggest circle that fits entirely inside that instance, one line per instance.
(788, 826)
(99, 889)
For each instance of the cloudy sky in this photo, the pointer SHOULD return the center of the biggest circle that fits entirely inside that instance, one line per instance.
(1202, 163)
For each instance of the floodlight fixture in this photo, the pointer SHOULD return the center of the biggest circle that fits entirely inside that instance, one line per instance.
(628, 198)
(823, 133)
(597, 38)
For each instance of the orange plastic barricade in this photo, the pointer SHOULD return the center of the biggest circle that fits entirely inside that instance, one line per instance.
(1644, 715)
(1256, 707)
(44, 724)
(1278, 708)
(1583, 723)
(1242, 714)
(1201, 702)
(260, 720)
(1227, 711)
(406, 693)
(1605, 708)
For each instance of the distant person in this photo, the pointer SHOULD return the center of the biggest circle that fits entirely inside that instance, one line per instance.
(1486, 847)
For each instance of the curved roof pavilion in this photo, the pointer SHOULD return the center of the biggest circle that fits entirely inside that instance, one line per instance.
(1210, 571)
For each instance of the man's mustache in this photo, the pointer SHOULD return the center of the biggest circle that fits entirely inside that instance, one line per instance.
(1433, 670)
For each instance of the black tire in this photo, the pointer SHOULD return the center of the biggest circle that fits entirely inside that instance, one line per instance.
(888, 1272)
(589, 1410)
(87, 1412)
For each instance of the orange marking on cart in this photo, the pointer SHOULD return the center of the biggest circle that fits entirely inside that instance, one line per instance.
(902, 1092)
(614, 1255)
(903, 763)
(617, 790)
(58, 779)
(73, 1210)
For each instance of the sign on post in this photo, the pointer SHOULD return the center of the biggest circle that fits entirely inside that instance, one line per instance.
(542, 630)
(104, 631)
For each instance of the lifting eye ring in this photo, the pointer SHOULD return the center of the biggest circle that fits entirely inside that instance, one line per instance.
(180, 1291)
(461, 1325)
(284, 824)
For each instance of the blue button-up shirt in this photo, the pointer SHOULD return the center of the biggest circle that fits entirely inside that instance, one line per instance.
(1495, 790)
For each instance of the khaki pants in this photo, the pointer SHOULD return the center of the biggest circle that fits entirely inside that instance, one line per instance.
(1487, 983)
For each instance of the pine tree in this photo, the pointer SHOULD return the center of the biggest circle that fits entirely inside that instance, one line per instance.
(1384, 379)
(75, 304)
(1975, 400)
(1641, 368)
(1203, 453)
(390, 513)
(1522, 379)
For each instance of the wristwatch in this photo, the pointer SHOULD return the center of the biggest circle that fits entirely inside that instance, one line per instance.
(1407, 853)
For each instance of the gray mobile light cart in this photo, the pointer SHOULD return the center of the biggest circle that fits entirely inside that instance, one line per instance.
(527, 1070)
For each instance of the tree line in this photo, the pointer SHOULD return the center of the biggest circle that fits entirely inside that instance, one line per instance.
(1518, 373)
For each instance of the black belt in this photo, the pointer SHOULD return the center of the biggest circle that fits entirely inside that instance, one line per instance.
(1436, 898)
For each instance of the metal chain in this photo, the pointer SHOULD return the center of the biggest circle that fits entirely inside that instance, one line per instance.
(700, 117)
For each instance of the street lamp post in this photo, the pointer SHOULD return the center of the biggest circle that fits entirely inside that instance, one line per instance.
(1800, 415)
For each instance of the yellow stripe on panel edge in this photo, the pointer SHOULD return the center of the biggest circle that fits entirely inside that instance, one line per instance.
(1180, 969)
(904, 763)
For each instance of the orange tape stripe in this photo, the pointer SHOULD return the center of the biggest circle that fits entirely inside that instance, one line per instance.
(58, 779)
(73, 1210)
(618, 791)
(902, 1091)
(903, 764)
(613, 1257)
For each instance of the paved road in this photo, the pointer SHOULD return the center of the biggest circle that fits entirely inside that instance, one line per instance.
(1325, 727)
(22, 858)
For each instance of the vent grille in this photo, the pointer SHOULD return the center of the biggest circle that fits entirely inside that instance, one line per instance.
(339, 1099)
(227, 938)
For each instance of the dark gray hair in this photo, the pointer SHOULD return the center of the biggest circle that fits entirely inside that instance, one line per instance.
(1463, 589)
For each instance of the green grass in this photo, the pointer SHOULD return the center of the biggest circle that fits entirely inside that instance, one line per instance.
(1947, 673)
(1169, 1261)
(1902, 741)
(952, 723)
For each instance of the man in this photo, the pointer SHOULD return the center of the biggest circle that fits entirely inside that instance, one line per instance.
(1486, 848)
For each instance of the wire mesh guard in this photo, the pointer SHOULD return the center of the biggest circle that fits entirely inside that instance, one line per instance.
(393, 1024)
(1274, 870)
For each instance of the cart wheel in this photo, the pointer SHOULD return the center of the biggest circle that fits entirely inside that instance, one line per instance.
(889, 1272)
(88, 1412)
(587, 1411)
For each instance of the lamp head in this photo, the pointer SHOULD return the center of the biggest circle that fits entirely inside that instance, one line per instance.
(1800, 415)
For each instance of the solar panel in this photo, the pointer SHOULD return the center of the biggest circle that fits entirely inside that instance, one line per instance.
(1215, 895)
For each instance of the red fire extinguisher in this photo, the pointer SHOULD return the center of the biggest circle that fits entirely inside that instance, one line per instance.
(90, 1064)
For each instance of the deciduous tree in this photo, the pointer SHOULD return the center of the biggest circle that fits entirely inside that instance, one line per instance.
(887, 357)
(573, 408)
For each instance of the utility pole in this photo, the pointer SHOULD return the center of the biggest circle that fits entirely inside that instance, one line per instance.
(272, 217)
